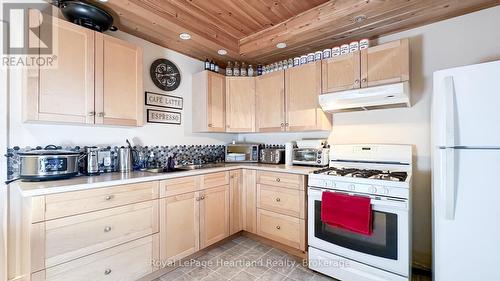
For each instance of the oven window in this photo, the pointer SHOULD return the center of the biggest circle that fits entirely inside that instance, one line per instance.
(305, 155)
(383, 242)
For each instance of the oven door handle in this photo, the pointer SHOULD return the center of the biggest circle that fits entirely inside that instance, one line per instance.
(375, 201)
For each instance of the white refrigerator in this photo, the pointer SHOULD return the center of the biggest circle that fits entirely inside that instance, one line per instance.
(466, 173)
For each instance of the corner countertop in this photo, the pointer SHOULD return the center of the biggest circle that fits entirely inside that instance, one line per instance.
(41, 188)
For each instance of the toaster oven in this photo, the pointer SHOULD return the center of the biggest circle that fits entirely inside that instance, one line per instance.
(311, 156)
(242, 152)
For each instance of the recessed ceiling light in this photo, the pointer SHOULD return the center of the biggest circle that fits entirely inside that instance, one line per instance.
(103, 1)
(185, 36)
(222, 52)
(359, 18)
(281, 45)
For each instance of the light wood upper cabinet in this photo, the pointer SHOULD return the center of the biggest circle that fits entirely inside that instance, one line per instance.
(214, 215)
(270, 102)
(341, 73)
(179, 226)
(118, 79)
(209, 110)
(64, 93)
(385, 64)
(235, 202)
(302, 89)
(240, 104)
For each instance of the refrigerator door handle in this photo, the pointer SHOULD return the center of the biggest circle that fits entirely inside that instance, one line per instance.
(449, 184)
(449, 96)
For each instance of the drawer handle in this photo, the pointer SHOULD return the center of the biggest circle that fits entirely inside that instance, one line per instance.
(107, 271)
(109, 197)
(278, 227)
(278, 199)
(278, 179)
(107, 229)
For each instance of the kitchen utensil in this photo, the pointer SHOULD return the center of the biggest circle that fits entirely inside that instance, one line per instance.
(272, 156)
(91, 161)
(125, 159)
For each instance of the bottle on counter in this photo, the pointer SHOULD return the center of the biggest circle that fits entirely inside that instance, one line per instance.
(216, 69)
(212, 66)
(250, 71)
(243, 69)
(259, 70)
(236, 69)
(207, 64)
(229, 69)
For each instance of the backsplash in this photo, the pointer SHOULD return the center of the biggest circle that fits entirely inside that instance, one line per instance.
(154, 156)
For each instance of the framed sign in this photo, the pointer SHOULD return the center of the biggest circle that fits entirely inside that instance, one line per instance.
(162, 100)
(165, 74)
(163, 117)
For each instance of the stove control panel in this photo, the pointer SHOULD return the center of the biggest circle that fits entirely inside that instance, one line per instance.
(388, 191)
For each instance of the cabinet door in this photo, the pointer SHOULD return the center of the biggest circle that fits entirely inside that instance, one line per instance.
(179, 226)
(119, 91)
(240, 104)
(216, 113)
(64, 93)
(235, 202)
(341, 73)
(302, 88)
(249, 201)
(214, 215)
(385, 64)
(270, 102)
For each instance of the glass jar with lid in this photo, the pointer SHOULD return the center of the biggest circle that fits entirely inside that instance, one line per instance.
(243, 69)
(236, 69)
(250, 71)
(229, 69)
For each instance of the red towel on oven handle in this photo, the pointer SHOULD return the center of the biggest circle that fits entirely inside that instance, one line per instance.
(353, 213)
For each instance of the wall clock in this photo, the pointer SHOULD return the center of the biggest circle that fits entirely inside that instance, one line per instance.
(165, 74)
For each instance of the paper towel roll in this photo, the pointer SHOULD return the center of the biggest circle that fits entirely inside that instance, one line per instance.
(288, 153)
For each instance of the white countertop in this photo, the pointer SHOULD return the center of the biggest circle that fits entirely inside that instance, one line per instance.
(41, 188)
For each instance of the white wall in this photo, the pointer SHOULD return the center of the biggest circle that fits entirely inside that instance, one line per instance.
(469, 39)
(23, 134)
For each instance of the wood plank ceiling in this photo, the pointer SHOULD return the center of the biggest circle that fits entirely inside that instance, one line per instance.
(250, 29)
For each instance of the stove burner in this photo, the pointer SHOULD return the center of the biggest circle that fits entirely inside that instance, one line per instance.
(363, 173)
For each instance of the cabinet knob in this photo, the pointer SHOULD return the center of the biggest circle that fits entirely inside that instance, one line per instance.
(278, 227)
(282, 125)
(92, 113)
(107, 271)
(286, 124)
(210, 125)
(100, 114)
(107, 229)
(109, 197)
(278, 199)
(356, 82)
(278, 179)
(364, 80)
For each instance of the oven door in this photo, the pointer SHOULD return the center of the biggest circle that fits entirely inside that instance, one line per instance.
(386, 248)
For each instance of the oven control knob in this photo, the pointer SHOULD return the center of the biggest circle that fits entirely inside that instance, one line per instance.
(384, 190)
(372, 189)
(351, 187)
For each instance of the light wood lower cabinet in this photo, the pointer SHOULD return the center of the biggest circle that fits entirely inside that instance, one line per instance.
(281, 228)
(214, 215)
(281, 200)
(129, 262)
(249, 200)
(235, 202)
(179, 226)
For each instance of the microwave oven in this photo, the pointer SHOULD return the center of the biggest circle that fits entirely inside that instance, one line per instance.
(242, 152)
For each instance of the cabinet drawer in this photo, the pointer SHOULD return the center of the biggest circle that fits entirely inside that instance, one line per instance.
(281, 200)
(283, 229)
(179, 186)
(77, 236)
(78, 202)
(281, 180)
(129, 261)
(215, 179)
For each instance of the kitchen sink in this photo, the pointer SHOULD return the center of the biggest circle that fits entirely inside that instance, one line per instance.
(162, 170)
(200, 166)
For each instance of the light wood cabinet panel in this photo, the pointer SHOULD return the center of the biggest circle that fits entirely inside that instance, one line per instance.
(385, 64)
(78, 202)
(215, 179)
(283, 229)
(249, 201)
(178, 186)
(235, 202)
(214, 215)
(129, 261)
(302, 89)
(341, 73)
(240, 104)
(285, 180)
(119, 89)
(64, 93)
(77, 236)
(179, 226)
(270, 102)
(285, 201)
(209, 102)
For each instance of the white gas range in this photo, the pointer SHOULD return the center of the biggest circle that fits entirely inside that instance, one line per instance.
(383, 173)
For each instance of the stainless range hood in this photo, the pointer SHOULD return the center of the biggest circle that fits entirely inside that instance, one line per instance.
(379, 97)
